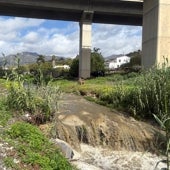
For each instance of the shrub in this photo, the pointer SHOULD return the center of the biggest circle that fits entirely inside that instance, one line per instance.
(149, 94)
(154, 92)
(40, 101)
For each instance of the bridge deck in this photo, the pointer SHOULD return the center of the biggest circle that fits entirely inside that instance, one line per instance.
(104, 11)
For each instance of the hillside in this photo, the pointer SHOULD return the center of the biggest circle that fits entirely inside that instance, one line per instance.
(25, 58)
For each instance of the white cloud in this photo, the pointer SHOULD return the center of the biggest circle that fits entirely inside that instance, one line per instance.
(15, 24)
(116, 39)
(31, 37)
(21, 34)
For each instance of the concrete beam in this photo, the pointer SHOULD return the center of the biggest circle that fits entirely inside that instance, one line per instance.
(156, 32)
(85, 45)
(114, 11)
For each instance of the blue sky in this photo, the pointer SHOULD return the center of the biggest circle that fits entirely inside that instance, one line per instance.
(61, 38)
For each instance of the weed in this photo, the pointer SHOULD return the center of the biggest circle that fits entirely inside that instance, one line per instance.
(34, 149)
(39, 101)
(9, 162)
(164, 122)
(5, 114)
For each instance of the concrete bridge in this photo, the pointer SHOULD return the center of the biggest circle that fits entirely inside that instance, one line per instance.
(153, 15)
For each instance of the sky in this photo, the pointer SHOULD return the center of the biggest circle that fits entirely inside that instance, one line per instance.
(61, 38)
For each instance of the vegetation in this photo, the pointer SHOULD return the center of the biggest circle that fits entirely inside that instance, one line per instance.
(140, 94)
(135, 62)
(33, 149)
(5, 114)
(74, 68)
(97, 64)
(164, 122)
(39, 101)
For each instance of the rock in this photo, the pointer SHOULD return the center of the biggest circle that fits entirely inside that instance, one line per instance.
(5, 149)
(26, 117)
(65, 148)
(85, 166)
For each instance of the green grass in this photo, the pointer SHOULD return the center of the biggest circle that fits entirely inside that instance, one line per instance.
(94, 85)
(33, 149)
(66, 85)
(5, 114)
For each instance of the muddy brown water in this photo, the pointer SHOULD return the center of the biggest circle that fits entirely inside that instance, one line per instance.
(81, 121)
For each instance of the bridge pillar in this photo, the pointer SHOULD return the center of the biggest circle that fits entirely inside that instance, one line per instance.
(85, 45)
(156, 32)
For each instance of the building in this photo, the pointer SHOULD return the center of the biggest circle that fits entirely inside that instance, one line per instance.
(116, 62)
(66, 67)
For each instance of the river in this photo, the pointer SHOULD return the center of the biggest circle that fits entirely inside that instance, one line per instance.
(92, 158)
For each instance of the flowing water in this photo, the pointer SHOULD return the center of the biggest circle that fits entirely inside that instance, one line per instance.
(129, 144)
(103, 159)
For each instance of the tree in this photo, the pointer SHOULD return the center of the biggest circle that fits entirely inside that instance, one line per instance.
(40, 59)
(97, 63)
(74, 68)
(135, 62)
(135, 58)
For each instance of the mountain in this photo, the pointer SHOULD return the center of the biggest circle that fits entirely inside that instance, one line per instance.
(137, 53)
(25, 58)
(113, 56)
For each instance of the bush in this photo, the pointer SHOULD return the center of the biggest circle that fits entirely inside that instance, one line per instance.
(3, 72)
(149, 94)
(39, 101)
(154, 92)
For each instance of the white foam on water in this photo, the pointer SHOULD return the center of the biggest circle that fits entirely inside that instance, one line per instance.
(92, 158)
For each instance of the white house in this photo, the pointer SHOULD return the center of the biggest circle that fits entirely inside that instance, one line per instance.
(66, 67)
(117, 62)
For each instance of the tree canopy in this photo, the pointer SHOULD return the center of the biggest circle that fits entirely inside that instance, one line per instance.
(97, 64)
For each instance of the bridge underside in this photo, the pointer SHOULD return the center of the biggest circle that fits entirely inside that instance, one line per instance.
(104, 11)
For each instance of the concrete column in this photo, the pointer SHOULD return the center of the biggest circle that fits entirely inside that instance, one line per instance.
(156, 32)
(85, 45)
